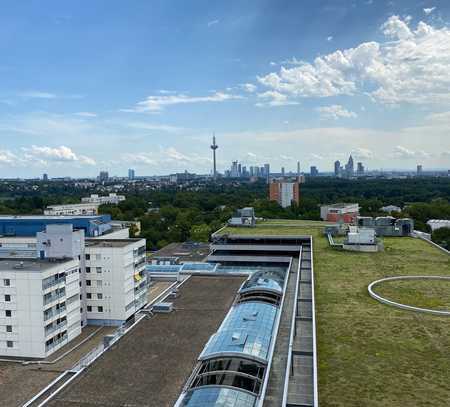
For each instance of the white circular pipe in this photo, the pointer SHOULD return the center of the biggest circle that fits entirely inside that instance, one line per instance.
(404, 306)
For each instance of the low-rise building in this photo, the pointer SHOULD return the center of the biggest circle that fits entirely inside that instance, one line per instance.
(72, 209)
(340, 212)
(387, 225)
(112, 199)
(39, 306)
(435, 224)
(390, 209)
(116, 283)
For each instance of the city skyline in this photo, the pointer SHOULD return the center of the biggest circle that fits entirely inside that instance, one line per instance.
(147, 88)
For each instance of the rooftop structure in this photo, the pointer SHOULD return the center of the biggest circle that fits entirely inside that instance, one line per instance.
(243, 217)
(234, 362)
(387, 225)
(340, 212)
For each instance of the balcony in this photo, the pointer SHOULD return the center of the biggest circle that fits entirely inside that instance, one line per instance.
(52, 298)
(53, 313)
(52, 329)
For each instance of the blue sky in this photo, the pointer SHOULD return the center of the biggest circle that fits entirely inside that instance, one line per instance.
(87, 86)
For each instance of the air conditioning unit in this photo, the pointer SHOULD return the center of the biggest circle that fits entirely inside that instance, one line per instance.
(163, 307)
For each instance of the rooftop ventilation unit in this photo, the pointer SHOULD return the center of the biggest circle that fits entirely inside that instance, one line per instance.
(163, 307)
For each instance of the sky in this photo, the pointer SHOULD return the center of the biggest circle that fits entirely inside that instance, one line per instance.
(111, 85)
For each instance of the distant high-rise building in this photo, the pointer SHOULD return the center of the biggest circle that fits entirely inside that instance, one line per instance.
(45, 177)
(298, 168)
(103, 176)
(314, 171)
(360, 169)
(267, 171)
(234, 169)
(419, 169)
(244, 171)
(282, 171)
(131, 174)
(284, 192)
(239, 170)
(350, 167)
(337, 168)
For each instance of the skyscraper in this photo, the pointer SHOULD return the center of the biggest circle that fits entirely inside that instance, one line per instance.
(298, 168)
(350, 167)
(282, 171)
(45, 177)
(360, 169)
(314, 171)
(267, 171)
(337, 168)
(103, 176)
(131, 174)
(419, 169)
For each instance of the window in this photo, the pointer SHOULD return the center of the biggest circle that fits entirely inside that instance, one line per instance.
(100, 309)
(99, 283)
(8, 313)
(98, 269)
(6, 282)
(88, 257)
(7, 297)
(88, 269)
(9, 344)
(8, 328)
(88, 296)
(88, 282)
(89, 308)
(99, 296)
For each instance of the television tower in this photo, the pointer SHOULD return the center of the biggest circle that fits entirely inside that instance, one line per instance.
(214, 147)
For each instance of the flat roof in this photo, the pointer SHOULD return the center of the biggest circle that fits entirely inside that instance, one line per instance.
(340, 205)
(44, 217)
(111, 242)
(186, 252)
(30, 264)
(150, 365)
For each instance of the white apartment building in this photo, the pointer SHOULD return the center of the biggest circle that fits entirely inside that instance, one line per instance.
(112, 198)
(435, 224)
(39, 306)
(115, 284)
(72, 209)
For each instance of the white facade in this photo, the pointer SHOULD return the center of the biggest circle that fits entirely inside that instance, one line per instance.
(286, 194)
(361, 236)
(116, 284)
(72, 209)
(39, 306)
(112, 198)
(438, 224)
(338, 209)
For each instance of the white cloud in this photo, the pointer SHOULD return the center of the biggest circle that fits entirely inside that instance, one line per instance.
(155, 104)
(404, 153)
(7, 157)
(362, 153)
(248, 87)
(274, 98)
(34, 94)
(330, 38)
(155, 126)
(44, 154)
(428, 11)
(85, 114)
(213, 22)
(411, 66)
(335, 112)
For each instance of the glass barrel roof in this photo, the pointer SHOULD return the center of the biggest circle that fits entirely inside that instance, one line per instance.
(218, 397)
(247, 330)
(272, 280)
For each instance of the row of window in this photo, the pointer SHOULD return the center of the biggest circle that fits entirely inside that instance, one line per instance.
(98, 282)
(99, 308)
(97, 257)
(97, 269)
(99, 296)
